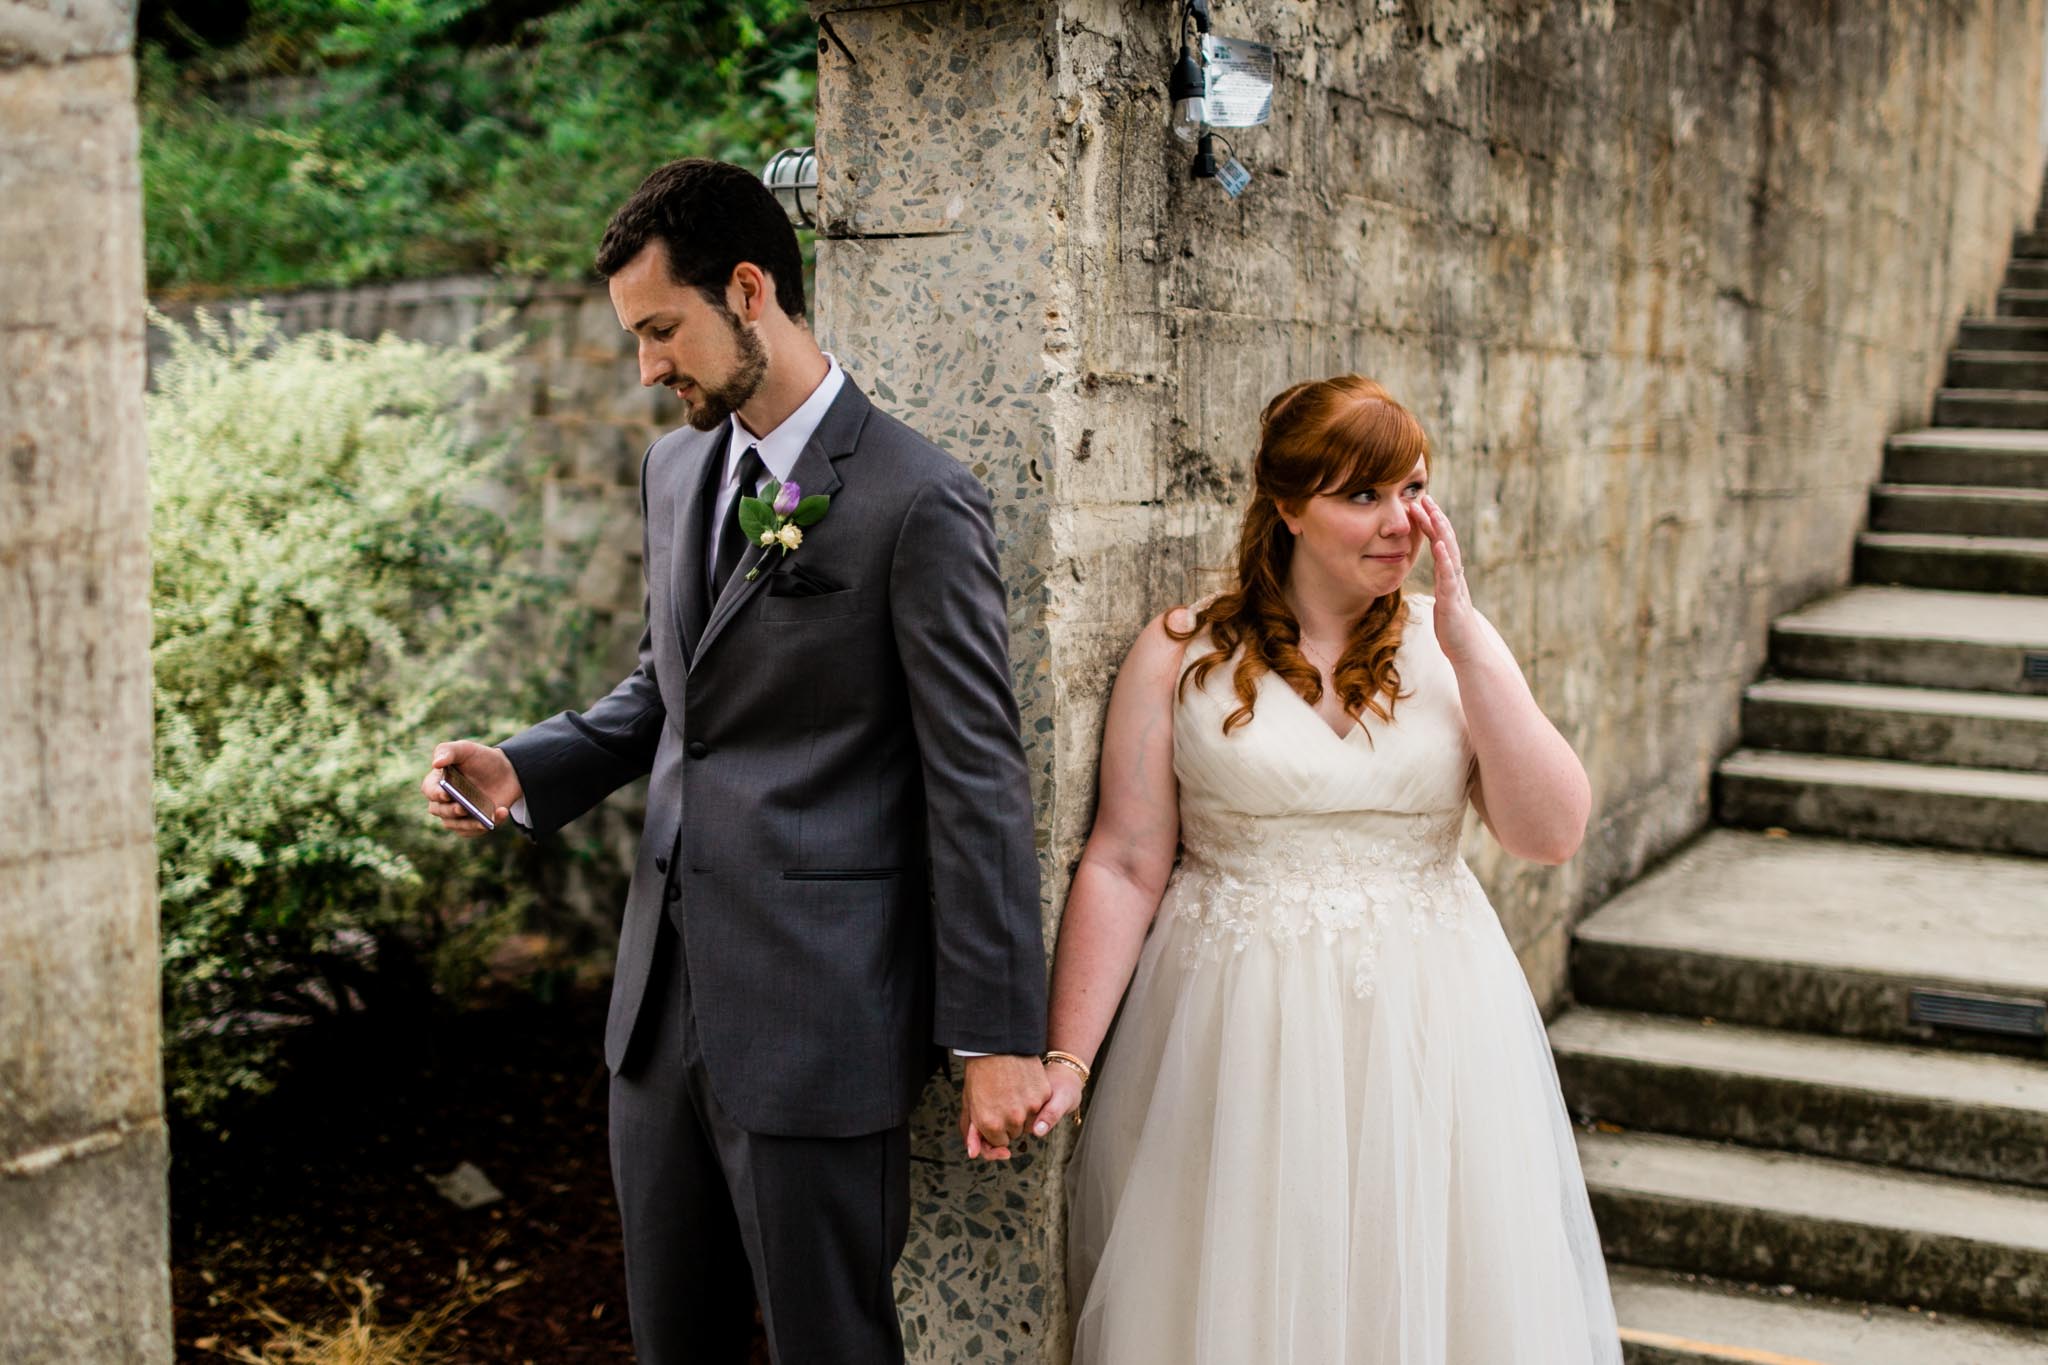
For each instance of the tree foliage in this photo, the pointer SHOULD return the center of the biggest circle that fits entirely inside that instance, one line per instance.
(325, 580)
(328, 142)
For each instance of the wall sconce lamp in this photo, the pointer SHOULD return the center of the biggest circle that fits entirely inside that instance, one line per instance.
(1230, 86)
(792, 176)
(1186, 87)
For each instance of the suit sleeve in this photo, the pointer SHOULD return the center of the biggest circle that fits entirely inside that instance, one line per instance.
(570, 762)
(951, 624)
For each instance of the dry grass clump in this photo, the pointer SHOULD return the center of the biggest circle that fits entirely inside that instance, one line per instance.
(359, 1338)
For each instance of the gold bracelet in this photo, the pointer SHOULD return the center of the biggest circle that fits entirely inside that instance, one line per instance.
(1068, 1059)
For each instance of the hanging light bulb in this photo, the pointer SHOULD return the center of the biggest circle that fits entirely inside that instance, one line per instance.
(1186, 89)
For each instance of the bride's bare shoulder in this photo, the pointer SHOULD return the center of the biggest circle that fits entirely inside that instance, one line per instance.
(1156, 655)
(1163, 637)
(1183, 620)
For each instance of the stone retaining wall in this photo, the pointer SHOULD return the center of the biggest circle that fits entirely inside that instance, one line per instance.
(1658, 278)
(582, 422)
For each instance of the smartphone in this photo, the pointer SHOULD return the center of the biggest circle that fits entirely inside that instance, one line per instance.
(466, 794)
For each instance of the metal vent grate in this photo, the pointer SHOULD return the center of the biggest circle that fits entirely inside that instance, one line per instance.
(2034, 666)
(2009, 1015)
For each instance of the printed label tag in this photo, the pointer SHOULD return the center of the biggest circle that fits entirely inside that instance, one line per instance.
(1238, 82)
(1233, 177)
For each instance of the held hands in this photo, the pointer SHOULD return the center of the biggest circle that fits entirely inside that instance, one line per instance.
(488, 768)
(1001, 1096)
(1067, 1087)
(1458, 629)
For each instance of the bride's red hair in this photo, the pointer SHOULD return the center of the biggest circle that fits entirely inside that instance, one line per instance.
(1341, 435)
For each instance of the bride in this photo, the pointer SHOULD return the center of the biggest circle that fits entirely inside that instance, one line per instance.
(1329, 1131)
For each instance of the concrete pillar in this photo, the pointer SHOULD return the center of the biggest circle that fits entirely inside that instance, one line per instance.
(83, 1228)
(934, 286)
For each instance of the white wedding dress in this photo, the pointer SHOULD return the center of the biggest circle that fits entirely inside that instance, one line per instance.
(1327, 1129)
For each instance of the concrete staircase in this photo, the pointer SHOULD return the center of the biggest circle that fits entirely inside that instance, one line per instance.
(1812, 1071)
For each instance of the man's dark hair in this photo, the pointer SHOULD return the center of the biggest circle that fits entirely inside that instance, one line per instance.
(710, 216)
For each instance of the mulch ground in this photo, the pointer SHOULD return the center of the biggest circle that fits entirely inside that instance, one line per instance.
(328, 1180)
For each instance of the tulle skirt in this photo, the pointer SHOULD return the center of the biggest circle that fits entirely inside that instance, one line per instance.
(1339, 1143)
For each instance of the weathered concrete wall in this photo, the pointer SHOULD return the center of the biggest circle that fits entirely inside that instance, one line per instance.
(1657, 278)
(84, 1237)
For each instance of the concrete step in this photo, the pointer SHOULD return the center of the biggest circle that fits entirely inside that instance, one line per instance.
(1835, 1227)
(2024, 273)
(1673, 1319)
(1991, 564)
(2003, 334)
(2030, 244)
(1821, 936)
(2023, 303)
(1924, 1109)
(1914, 637)
(1979, 809)
(2020, 409)
(1934, 509)
(1908, 724)
(1975, 457)
(1998, 369)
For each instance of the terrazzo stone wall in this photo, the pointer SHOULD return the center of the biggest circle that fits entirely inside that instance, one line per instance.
(84, 1232)
(935, 273)
(1658, 279)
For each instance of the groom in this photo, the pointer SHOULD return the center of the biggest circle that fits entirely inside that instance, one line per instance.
(837, 876)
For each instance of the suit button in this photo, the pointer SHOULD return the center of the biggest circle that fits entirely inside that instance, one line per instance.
(698, 748)
(661, 865)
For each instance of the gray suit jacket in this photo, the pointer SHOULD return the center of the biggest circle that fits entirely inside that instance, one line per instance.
(839, 820)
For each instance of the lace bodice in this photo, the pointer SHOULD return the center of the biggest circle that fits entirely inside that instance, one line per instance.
(1289, 831)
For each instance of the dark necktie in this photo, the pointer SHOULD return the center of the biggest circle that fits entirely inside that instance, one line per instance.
(731, 540)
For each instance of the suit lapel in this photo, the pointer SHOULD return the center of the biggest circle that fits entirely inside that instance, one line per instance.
(692, 548)
(814, 473)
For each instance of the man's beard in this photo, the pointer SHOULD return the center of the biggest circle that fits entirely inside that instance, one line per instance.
(720, 403)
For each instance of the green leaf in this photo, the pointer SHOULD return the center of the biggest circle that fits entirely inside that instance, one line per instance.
(770, 491)
(811, 509)
(756, 516)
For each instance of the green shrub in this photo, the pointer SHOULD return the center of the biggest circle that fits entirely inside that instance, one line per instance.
(326, 578)
(425, 137)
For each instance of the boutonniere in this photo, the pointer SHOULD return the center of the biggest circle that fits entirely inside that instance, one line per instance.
(779, 516)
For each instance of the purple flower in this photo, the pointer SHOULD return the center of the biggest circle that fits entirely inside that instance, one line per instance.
(787, 498)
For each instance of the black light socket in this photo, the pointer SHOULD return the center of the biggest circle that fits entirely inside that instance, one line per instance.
(1186, 83)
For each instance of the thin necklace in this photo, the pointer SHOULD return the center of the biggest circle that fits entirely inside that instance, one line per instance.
(1317, 655)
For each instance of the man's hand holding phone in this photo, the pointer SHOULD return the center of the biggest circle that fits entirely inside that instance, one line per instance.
(471, 787)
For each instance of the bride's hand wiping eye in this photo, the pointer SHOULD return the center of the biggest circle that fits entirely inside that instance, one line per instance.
(1458, 630)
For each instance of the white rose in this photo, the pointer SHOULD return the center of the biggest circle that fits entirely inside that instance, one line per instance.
(791, 536)
(767, 537)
